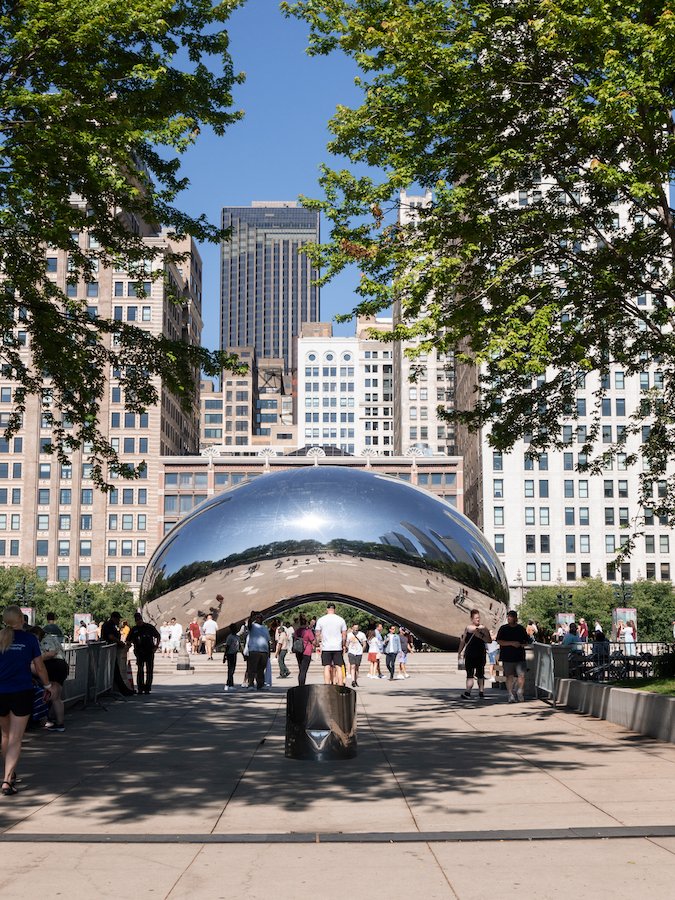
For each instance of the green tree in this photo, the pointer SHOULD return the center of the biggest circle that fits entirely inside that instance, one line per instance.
(591, 599)
(568, 102)
(654, 602)
(97, 100)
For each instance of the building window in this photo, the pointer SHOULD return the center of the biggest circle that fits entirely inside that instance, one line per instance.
(571, 572)
(498, 487)
(570, 543)
(499, 515)
(546, 571)
(531, 572)
(499, 543)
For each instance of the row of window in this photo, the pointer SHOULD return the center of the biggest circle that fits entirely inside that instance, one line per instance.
(331, 387)
(131, 420)
(125, 548)
(125, 496)
(583, 570)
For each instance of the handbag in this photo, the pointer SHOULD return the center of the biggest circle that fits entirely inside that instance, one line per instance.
(461, 664)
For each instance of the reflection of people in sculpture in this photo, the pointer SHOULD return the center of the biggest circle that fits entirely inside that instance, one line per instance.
(332, 629)
(356, 640)
(472, 646)
(303, 635)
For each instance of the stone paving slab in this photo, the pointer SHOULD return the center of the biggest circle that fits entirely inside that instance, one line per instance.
(191, 788)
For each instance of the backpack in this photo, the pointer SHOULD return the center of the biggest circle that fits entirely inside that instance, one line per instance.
(145, 642)
(298, 645)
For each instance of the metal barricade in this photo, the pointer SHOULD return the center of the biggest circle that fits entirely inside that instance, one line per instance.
(91, 672)
(544, 673)
(75, 685)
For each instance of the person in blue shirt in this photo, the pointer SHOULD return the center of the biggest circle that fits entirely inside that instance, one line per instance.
(572, 639)
(18, 649)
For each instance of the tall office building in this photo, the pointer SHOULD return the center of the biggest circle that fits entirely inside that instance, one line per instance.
(52, 516)
(267, 289)
(549, 520)
(424, 383)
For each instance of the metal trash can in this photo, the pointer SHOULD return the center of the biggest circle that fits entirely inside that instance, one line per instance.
(321, 722)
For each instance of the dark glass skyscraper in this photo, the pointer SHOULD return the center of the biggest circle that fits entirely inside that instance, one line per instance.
(267, 289)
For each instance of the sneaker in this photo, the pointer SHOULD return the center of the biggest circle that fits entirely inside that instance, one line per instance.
(481, 695)
(466, 695)
(355, 684)
(406, 675)
(226, 688)
(48, 726)
(521, 696)
(59, 728)
(400, 677)
(511, 698)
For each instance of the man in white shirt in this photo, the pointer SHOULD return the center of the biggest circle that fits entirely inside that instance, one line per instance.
(332, 630)
(209, 631)
(176, 635)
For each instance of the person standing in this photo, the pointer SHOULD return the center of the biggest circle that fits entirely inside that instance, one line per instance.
(209, 632)
(583, 630)
(333, 631)
(145, 640)
(406, 648)
(18, 649)
(110, 634)
(92, 631)
(176, 635)
(472, 646)
(512, 639)
(258, 650)
(52, 628)
(281, 649)
(195, 635)
(57, 670)
(230, 656)
(303, 645)
(629, 637)
(82, 633)
(355, 643)
(392, 648)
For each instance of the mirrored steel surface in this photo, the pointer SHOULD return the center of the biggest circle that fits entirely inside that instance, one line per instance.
(307, 534)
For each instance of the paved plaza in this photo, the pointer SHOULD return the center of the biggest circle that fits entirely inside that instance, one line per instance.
(187, 793)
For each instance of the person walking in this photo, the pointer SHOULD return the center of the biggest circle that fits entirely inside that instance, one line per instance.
(512, 639)
(230, 656)
(281, 649)
(356, 640)
(209, 631)
(472, 646)
(195, 635)
(392, 648)
(145, 639)
(258, 650)
(333, 631)
(18, 649)
(406, 648)
(303, 645)
(629, 637)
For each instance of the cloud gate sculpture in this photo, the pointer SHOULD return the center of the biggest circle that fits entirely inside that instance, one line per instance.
(301, 535)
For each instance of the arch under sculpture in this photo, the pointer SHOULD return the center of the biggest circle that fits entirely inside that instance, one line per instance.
(307, 534)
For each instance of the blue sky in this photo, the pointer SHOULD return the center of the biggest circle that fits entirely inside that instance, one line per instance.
(275, 151)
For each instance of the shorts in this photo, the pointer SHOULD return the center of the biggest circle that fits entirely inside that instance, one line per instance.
(372, 657)
(18, 702)
(403, 658)
(475, 667)
(354, 659)
(332, 658)
(492, 656)
(57, 669)
(515, 668)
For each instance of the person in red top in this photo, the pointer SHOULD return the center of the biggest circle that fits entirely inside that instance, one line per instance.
(582, 630)
(195, 635)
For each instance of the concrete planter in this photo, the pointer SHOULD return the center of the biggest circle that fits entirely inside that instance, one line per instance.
(640, 711)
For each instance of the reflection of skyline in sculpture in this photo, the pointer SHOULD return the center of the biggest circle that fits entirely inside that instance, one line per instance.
(369, 540)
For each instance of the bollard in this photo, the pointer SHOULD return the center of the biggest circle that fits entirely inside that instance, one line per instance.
(321, 722)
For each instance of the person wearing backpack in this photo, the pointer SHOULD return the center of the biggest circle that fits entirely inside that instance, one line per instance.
(145, 640)
(303, 644)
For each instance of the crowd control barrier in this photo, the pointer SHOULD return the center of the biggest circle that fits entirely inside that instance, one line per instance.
(91, 672)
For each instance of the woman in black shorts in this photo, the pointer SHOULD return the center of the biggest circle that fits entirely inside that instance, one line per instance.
(472, 646)
(18, 649)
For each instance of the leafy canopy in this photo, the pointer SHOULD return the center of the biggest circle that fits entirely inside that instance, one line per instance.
(96, 101)
(568, 101)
